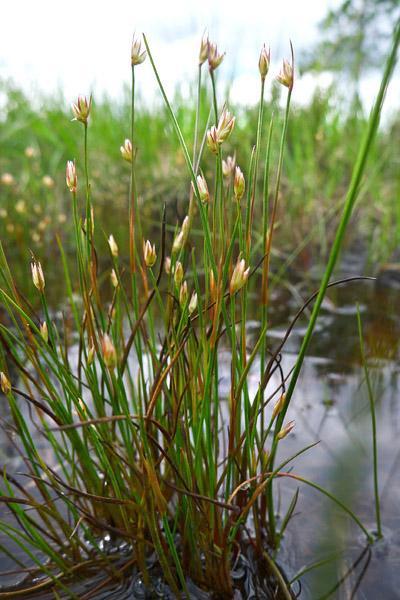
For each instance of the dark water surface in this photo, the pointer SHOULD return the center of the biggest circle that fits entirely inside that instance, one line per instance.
(330, 405)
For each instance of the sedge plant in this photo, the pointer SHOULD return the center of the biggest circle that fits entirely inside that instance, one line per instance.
(124, 389)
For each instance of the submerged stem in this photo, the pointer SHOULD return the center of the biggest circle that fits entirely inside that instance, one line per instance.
(373, 421)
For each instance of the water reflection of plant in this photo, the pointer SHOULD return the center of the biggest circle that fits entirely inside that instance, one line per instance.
(137, 448)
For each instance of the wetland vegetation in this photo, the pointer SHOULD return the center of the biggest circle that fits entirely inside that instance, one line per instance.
(185, 304)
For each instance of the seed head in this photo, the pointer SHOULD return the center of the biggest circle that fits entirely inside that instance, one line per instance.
(212, 139)
(286, 430)
(109, 352)
(30, 152)
(42, 225)
(203, 54)
(225, 125)
(264, 61)
(37, 275)
(193, 303)
(178, 243)
(238, 184)
(81, 109)
(126, 150)
(114, 278)
(138, 55)
(20, 207)
(48, 181)
(113, 245)
(214, 58)
(239, 276)
(203, 189)
(183, 294)
(213, 287)
(90, 355)
(185, 227)
(149, 253)
(81, 409)
(167, 265)
(44, 332)
(178, 273)
(71, 176)
(285, 77)
(278, 406)
(228, 166)
(7, 179)
(5, 383)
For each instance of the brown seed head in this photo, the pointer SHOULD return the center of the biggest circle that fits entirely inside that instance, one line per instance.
(225, 125)
(113, 245)
(193, 303)
(183, 294)
(238, 184)
(285, 76)
(81, 109)
(126, 150)
(264, 62)
(239, 276)
(178, 273)
(7, 179)
(4, 383)
(203, 189)
(278, 406)
(212, 139)
(214, 58)
(138, 55)
(71, 176)
(44, 332)
(90, 355)
(228, 166)
(203, 54)
(37, 275)
(149, 253)
(286, 430)
(114, 278)
(109, 352)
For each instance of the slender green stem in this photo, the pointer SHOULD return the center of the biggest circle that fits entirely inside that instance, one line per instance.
(204, 221)
(214, 91)
(373, 420)
(263, 286)
(87, 188)
(336, 501)
(196, 123)
(284, 587)
(275, 200)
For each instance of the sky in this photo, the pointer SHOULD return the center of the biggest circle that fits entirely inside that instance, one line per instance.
(83, 46)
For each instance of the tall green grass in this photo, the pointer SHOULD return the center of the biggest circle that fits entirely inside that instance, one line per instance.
(124, 387)
(321, 145)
